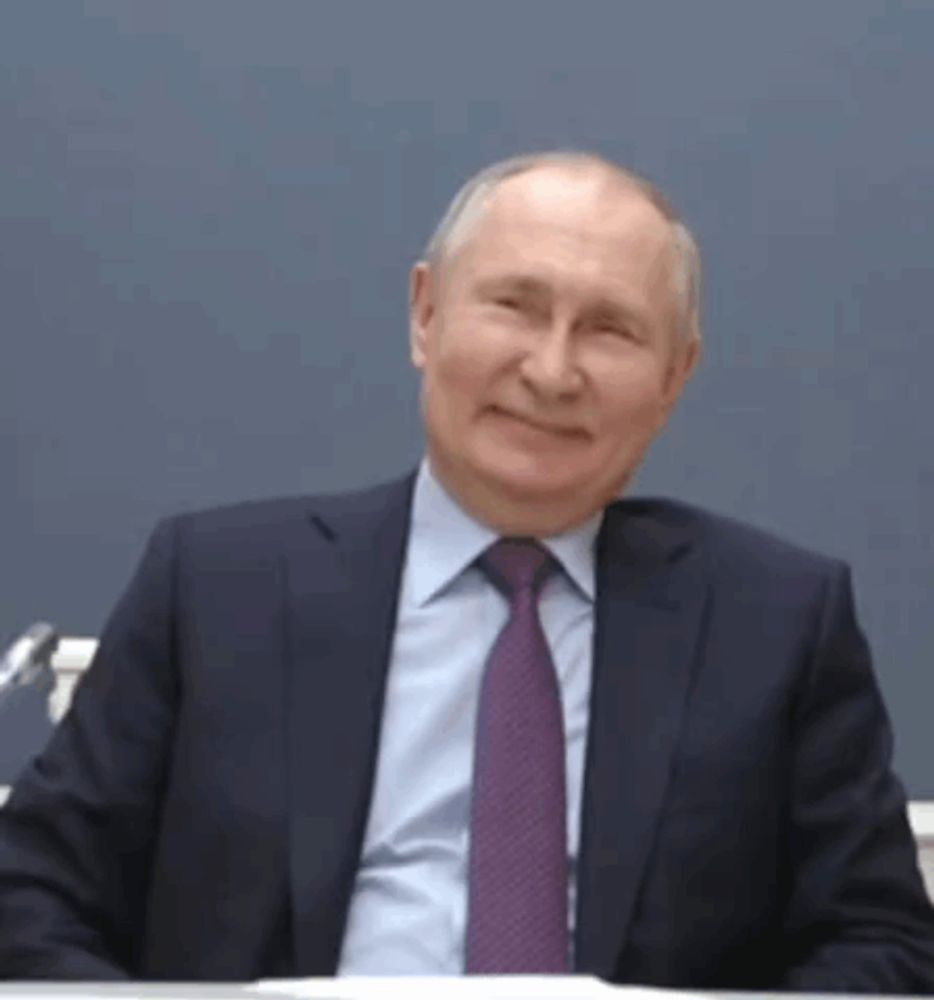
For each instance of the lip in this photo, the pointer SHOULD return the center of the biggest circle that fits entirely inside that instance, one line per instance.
(557, 431)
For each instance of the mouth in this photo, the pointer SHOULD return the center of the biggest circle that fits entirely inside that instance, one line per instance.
(557, 430)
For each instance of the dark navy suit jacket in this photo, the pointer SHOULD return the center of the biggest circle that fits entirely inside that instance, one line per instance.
(200, 811)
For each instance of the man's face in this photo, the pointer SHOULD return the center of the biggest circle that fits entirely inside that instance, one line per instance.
(548, 346)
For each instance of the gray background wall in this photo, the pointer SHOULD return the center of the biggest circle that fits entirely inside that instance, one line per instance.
(208, 210)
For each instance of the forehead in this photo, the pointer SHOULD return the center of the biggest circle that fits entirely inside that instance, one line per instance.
(571, 224)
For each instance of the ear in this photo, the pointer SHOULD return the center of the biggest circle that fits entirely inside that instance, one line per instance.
(684, 362)
(422, 288)
(690, 359)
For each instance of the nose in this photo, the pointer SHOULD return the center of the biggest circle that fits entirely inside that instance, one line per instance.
(550, 365)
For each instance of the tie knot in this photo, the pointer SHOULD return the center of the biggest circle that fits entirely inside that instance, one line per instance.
(515, 564)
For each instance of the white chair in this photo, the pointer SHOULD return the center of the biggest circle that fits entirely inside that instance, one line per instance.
(921, 815)
(73, 655)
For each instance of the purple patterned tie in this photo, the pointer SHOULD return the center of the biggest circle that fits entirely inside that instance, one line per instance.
(518, 890)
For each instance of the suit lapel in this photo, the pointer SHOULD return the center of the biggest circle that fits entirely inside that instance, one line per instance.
(650, 607)
(343, 581)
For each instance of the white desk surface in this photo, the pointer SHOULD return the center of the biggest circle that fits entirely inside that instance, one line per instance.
(388, 988)
(361, 988)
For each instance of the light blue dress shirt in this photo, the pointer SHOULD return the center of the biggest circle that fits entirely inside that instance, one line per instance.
(408, 910)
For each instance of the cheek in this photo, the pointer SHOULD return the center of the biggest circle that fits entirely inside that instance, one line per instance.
(633, 403)
(469, 363)
(452, 383)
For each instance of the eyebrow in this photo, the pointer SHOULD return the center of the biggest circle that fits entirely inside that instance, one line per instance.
(521, 283)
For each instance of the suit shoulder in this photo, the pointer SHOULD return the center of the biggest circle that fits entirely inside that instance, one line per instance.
(263, 521)
(729, 541)
(244, 515)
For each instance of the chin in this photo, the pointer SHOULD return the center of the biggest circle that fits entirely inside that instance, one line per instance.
(532, 478)
(547, 504)
(576, 492)
(537, 489)
(546, 475)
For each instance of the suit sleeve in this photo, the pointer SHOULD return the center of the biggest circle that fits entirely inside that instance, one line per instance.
(77, 834)
(858, 918)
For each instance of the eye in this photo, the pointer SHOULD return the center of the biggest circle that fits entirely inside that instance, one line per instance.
(508, 302)
(614, 330)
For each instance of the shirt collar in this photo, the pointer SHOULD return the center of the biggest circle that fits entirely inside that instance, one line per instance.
(445, 540)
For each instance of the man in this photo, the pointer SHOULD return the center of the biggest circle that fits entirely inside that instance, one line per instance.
(489, 718)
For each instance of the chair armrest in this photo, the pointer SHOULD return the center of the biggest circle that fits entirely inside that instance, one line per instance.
(71, 658)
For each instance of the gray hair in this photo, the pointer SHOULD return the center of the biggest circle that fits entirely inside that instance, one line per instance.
(468, 201)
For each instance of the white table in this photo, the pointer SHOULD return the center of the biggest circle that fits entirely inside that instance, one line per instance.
(473, 988)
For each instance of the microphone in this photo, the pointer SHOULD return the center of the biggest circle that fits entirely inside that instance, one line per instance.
(28, 660)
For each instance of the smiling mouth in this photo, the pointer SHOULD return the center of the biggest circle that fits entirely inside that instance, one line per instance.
(563, 432)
